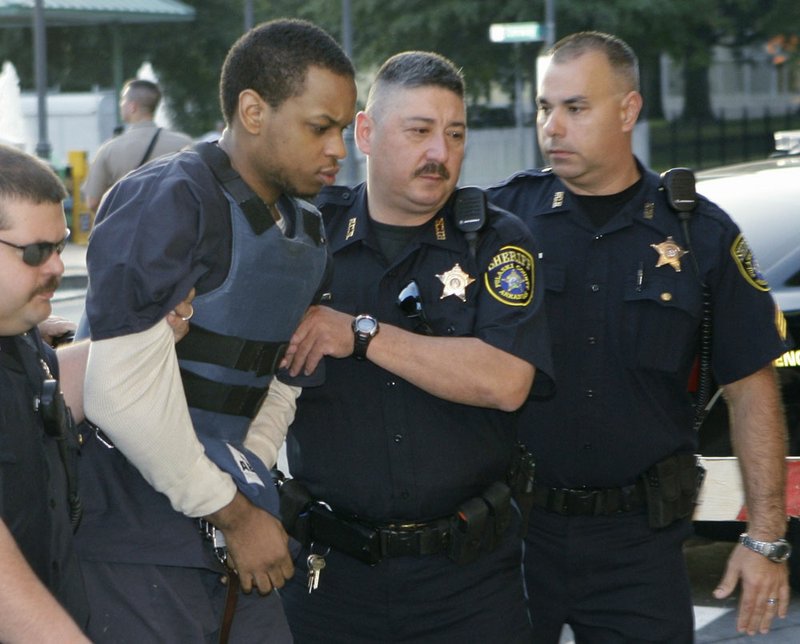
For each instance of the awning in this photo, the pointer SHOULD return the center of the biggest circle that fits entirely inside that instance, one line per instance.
(60, 13)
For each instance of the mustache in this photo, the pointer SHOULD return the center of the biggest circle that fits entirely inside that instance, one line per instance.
(433, 168)
(50, 285)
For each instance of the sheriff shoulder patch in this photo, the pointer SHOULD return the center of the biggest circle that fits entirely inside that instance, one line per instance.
(747, 264)
(509, 276)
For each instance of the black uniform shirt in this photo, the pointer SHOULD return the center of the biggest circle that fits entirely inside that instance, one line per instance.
(370, 443)
(33, 487)
(625, 326)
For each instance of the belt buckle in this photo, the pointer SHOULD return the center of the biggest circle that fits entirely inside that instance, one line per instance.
(581, 501)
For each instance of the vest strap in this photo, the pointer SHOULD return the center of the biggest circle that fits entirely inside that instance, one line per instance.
(202, 345)
(222, 398)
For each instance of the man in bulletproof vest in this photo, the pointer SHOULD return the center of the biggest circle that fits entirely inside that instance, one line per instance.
(185, 436)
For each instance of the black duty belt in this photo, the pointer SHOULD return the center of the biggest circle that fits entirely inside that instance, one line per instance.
(589, 501)
(478, 525)
(667, 489)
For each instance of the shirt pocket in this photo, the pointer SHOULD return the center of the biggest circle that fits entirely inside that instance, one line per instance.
(663, 314)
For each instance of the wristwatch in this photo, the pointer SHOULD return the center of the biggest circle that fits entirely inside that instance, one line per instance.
(365, 327)
(777, 551)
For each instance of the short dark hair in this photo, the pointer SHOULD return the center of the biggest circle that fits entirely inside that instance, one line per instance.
(410, 69)
(23, 176)
(273, 58)
(620, 55)
(144, 93)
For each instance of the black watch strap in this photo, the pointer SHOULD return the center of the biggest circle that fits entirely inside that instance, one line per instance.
(365, 327)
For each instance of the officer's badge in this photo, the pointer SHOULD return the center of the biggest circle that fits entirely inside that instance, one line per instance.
(747, 264)
(455, 282)
(509, 276)
(669, 253)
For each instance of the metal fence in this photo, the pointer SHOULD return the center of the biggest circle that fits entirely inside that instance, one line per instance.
(705, 143)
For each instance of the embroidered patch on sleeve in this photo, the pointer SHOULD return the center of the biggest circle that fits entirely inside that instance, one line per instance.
(780, 323)
(509, 276)
(747, 264)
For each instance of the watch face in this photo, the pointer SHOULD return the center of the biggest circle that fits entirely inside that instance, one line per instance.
(780, 551)
(366, 325)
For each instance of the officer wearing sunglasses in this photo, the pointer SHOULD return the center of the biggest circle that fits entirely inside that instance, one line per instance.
(38, 498)
(38, 253)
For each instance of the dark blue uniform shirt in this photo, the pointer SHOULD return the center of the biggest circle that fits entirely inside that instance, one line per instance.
(625, 329)
(142, 266)
(372, 444)
(33, 485)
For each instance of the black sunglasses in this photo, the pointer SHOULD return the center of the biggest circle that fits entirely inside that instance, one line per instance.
(38, 253)
(410, 302)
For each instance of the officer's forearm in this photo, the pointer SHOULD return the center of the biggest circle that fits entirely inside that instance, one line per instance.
(28, 612)
(462, 370)
(758, 432)
(72, 367)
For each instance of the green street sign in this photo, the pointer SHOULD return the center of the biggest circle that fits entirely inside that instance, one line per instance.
(515, 32)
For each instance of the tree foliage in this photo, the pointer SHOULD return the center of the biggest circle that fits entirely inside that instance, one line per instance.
(187, 56)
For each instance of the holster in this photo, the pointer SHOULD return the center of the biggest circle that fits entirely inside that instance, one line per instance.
(671, 488)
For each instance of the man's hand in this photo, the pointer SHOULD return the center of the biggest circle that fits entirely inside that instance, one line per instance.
(258, 546)
(322, 332)
(178, 318)
(761, 580)
(55, 330)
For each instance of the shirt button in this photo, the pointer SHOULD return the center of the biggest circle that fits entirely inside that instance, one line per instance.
(397, 438)
(587, 447)
(451, 330)
(595, 288)
(589, 393)
(391, 383)
(591, 340)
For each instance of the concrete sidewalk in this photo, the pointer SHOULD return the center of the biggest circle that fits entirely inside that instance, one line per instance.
(73, 283)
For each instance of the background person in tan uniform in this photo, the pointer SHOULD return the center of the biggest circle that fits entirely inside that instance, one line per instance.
(126, 152)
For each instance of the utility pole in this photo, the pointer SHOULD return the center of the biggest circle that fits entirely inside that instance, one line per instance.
(349, 165)
(43, 147)
(248, 15)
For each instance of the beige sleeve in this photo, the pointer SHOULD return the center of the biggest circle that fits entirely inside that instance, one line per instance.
(268, 430)
(133, 391)
(98, 178)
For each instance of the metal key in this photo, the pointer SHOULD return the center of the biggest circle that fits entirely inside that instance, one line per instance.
(316, 563)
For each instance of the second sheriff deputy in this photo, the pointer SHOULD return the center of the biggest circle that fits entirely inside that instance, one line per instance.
(396, 463)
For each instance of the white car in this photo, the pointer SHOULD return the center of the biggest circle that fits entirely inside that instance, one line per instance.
(763, 197)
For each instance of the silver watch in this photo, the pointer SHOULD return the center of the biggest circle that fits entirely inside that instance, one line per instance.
(778, 551)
